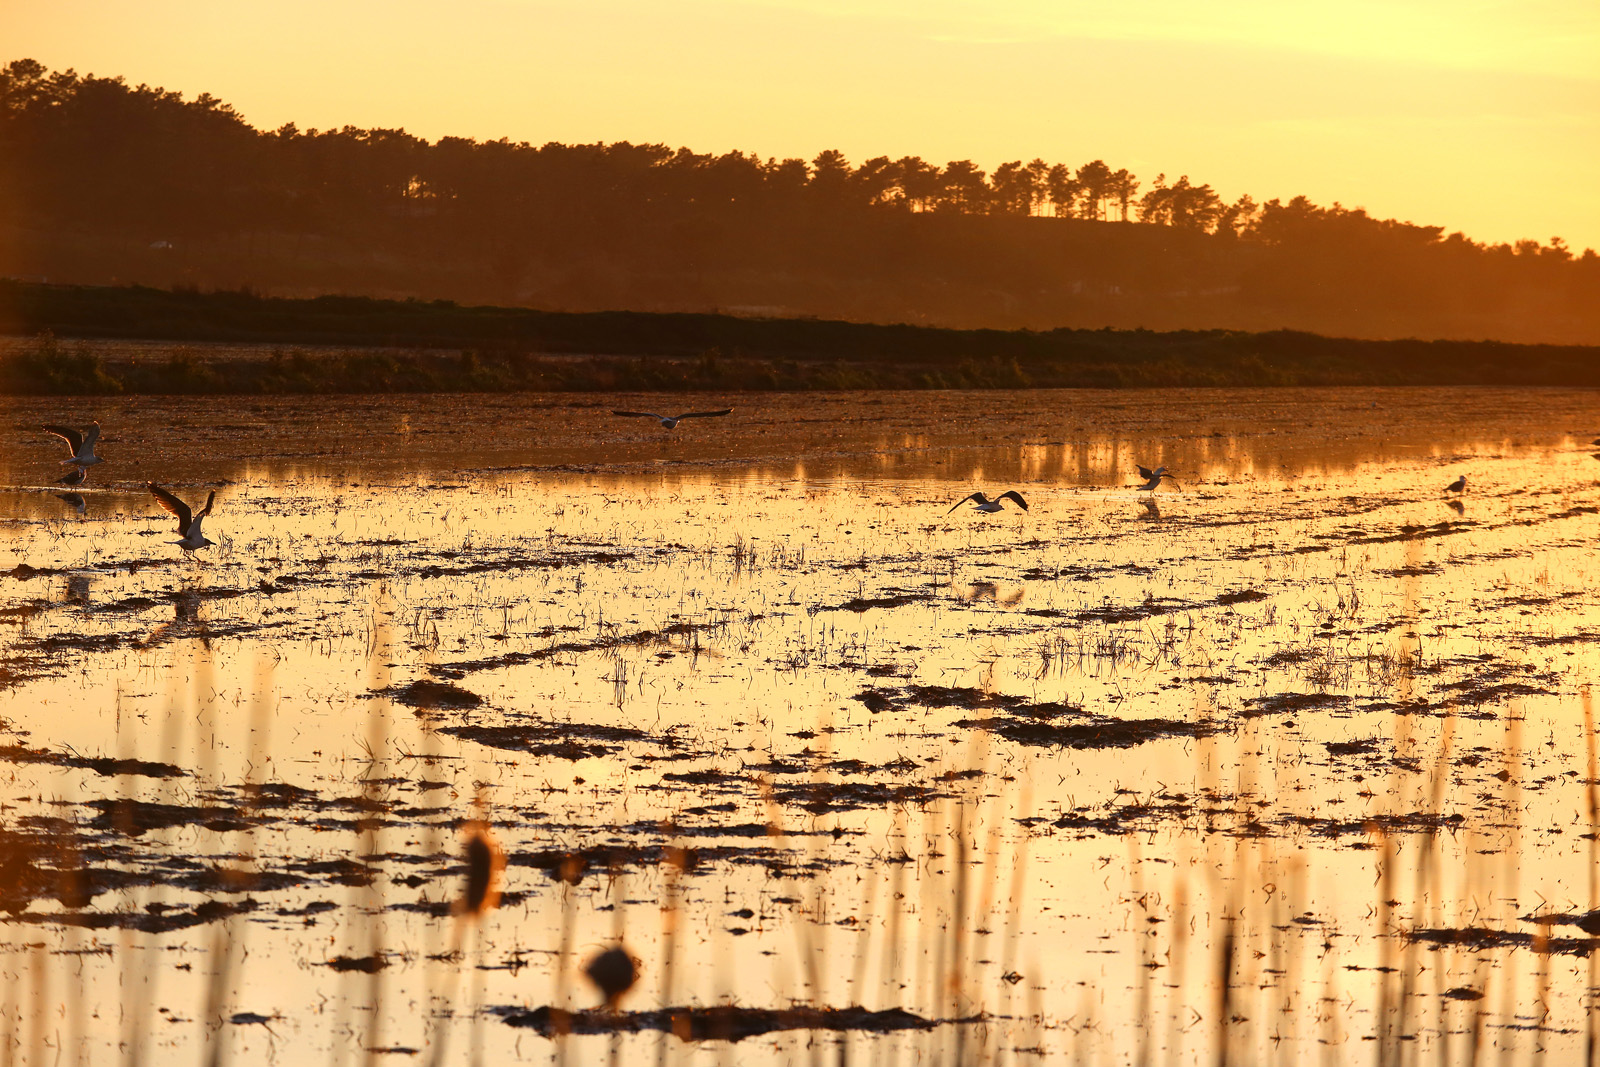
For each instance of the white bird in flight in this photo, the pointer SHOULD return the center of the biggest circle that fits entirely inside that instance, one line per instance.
(1153, 478)
(188, 524)
(80, 446)
(987, 506)
(1457, 486)
(671, 421)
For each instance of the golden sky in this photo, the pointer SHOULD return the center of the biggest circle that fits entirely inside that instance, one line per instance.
(1478, 116)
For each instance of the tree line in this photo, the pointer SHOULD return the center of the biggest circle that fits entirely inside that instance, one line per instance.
(104, 181)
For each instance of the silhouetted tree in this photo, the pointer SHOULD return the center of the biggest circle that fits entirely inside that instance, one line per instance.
(1015, 189)
(876, 182)
(918, 181)
(1062, 189)
(1185, 206)
(1094, 189)
(962, 188)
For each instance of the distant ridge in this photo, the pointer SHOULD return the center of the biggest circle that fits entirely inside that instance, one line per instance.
(63, 342)
(103, 183)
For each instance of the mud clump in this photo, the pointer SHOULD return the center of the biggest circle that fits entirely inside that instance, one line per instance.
(103, 765)
(1098, 732)
(1289, 703)
(568, 741)
(428, 694)
(820, 797)
(135, 817)
(362, 964)
(721, 1023)
(1483, 937)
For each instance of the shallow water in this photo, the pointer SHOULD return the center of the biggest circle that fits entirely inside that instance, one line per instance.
(800, 736)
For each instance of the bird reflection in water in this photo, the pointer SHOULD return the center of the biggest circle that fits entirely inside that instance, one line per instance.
(74, 501)
(186, 621)
(78, 590)
(1152, 510)
(991, 591)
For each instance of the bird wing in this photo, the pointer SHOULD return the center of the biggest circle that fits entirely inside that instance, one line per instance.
(637, 414)
(963, 500)
(92, 436)
(72, 437)
(1012, 494)
(211, 498)
(172, 504)
(705, 414)
(1145, 472)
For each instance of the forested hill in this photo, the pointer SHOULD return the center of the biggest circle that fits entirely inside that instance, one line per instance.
(106, 183)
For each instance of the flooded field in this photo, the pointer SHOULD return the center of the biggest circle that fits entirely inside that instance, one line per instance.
(1291, 761)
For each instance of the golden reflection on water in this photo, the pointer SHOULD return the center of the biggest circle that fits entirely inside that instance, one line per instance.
(1376, 699)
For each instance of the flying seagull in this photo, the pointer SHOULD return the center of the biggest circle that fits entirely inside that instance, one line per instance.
(1153, 478)
(80, 446)
(188, 525)
(987, 506)
(1457, 486)
(671, 421)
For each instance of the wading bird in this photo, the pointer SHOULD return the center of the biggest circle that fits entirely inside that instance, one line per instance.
(75, 476)
(1153, 478)
(987, 506)
(671, 421)
(80, 447)
(188, 524)
(1457, 486)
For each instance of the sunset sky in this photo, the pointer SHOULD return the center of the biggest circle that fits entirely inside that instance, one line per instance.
(1478, 116)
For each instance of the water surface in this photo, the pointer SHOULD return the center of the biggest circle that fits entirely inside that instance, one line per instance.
(1292, 759)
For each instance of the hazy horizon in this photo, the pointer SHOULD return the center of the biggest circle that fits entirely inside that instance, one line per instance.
(1483, 121)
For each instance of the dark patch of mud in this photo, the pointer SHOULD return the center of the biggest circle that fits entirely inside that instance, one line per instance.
(1100, 731)
(720, 1023)
(1483, 937)
(562, 740)
(135, 817)
(1492, 681)
(516, 563)
(861, 604)
(1149, 608)
(946, 696)
(1036, 723)
(1587, 921)
(1291, 703)
(687, 633)
(428, 694)
(155, 919)
(103, 765)
(1361, 747)
(48, 858)
(1415, 822)
(358, 964)
(820, 797)
(573, 866)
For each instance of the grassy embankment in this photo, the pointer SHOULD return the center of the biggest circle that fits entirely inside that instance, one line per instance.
(65, 340)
